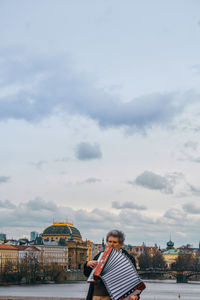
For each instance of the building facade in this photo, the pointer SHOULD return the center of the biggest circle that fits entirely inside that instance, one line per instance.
(8, 256)
(25, 251)
(49, 254)
(170, 256)
(136, 251)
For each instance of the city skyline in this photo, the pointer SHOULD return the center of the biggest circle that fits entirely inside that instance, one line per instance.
(100, 240)
(99, 118)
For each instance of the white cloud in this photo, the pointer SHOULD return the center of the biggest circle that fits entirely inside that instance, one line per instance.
(91, 180)
(152, 181)
(182, 234)
(38, 204)
(127, 205)
(176, 215)
(191, 145)
(39, 164)
(191, 208)
(4, 179)
(194, 190)
(87, 151)
(7, 204)
(191, 151)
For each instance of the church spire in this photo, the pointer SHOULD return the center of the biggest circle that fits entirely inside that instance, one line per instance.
(103, 245)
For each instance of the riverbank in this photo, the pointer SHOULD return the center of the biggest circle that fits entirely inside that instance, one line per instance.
(156, 290)
(36, 298)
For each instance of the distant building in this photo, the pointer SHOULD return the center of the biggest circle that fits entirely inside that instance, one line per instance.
(2, 236)
(90, 246)
(38, 241)
(93, 249)
(25, 251)
(8, 255)
(96, 249)
(33, 235)
(188, 249)
(138, 250)
(49, 254)
(60, 232)
(128, 247)
(170, 256)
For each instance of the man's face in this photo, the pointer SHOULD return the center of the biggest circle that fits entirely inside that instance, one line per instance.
(114, 242)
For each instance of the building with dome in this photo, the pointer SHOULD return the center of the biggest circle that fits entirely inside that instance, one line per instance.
(60, 230)
(171, 254)
(65, 234)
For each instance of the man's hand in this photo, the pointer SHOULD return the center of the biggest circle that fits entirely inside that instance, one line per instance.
(133, 297)
(92, 264)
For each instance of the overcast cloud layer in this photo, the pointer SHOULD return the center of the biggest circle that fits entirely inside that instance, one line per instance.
(35, 88)
(99, 118)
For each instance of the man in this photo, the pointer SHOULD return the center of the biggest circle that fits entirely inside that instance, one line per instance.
(97, 290)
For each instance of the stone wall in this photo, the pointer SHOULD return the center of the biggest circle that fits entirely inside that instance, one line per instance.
(70, 276)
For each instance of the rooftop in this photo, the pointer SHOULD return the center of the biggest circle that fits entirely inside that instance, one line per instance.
(7, 247)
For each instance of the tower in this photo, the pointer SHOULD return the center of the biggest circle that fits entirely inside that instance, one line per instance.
(103, 245)
(170, 244)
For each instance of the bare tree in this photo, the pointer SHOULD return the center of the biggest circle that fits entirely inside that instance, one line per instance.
(53, 271)
(8, 272)
(184, 262)
(158, 261)
(29, 268)
(145, 260)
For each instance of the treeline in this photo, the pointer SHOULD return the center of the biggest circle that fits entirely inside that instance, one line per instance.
(147, 261)
(29, 271)
(187, 262)
(184, 262)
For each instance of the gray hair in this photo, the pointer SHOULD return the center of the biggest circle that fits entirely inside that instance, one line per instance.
(116, 233)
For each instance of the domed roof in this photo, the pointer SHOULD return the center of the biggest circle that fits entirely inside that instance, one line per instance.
(170, 244)
(62, 229)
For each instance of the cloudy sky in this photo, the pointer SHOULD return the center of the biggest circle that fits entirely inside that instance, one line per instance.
(99, 118)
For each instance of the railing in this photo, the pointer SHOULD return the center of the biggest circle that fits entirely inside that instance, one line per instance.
(181, 276)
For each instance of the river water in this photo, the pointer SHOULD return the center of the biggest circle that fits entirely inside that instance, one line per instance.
(156, 290)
